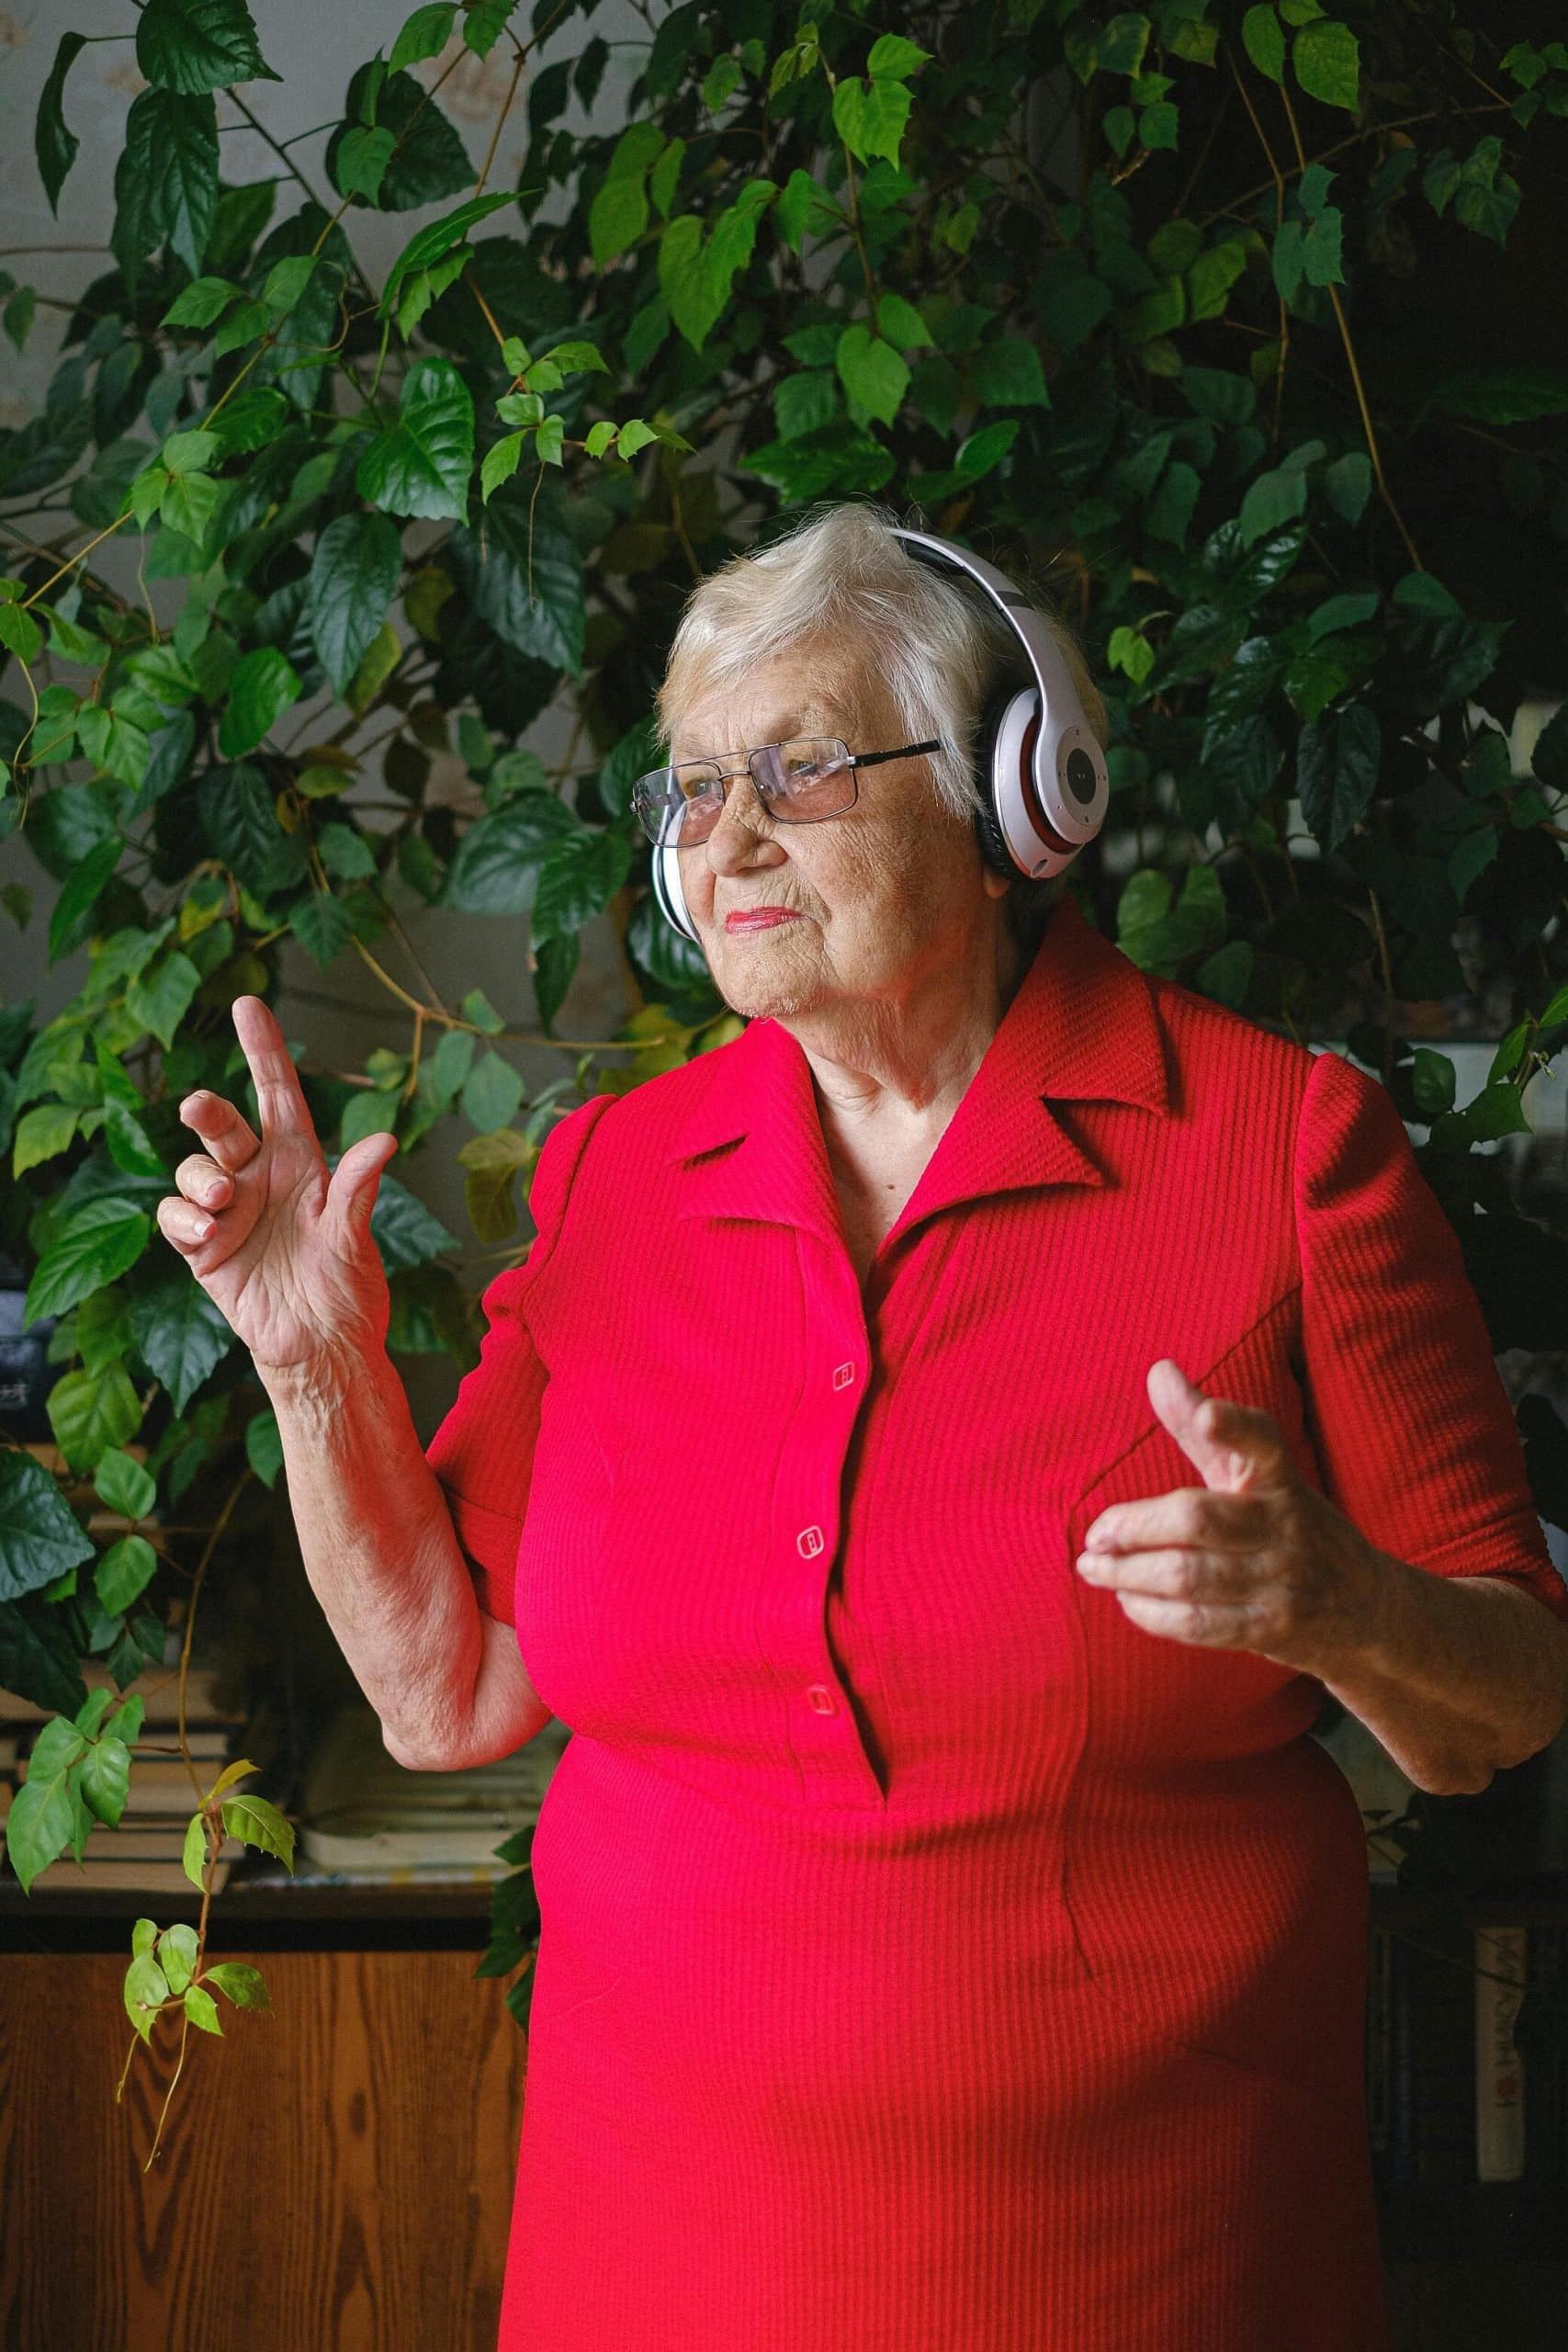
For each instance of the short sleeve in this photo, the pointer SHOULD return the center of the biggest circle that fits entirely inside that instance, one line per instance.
(1406, 1408)
(483, 1451)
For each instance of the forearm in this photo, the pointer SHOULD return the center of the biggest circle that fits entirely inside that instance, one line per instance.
(1458, 1677)
(380, 1551)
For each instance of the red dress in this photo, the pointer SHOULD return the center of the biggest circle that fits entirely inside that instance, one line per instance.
(932, 1960)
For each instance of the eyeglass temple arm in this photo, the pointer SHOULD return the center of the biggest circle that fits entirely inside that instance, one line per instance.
(907, 751)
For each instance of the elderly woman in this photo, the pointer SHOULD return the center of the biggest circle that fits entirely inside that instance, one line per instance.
(937, 1452)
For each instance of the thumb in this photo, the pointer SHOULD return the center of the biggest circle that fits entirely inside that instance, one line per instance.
(1236, 1447)
(355, 1183)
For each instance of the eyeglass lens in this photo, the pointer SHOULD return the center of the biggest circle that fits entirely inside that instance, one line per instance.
(797, 781)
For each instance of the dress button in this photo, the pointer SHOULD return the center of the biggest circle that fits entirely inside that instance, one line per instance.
(822, 1699)
(843, 1375)
(808, 1542)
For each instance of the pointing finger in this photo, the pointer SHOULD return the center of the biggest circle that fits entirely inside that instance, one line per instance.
(280, 1096)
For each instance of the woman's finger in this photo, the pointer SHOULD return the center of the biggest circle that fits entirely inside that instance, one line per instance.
(185, 1225)
(279, 1095)
(222, 1129)
(202, 1181)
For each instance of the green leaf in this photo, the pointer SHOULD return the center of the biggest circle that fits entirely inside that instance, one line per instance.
(902, 323)
(1327, 59)
(871, 117)
(493, 1163)
(125, 1484)
(483, 24)
(495, 869)
(1264, 42)
(579, 876)
(616, 217)
(238, 812)
(161, 998)
(429, 160)
(103, 1240)
(123, 1574)
(1501, 395)
(405, 1231)
(42, 1817)
(19, 633)
(1210, 277)
(40, 1536)
(146, 1989)
(422, 464)
(501, 459)
(203, 2009)
(354, 577)
(872, 372)
(36, 1656)
(103, 1776)
(1347, 484)
(346, 855)
(359, 164)
(477, 1006)
(264, 685)
(192, 45)
(179, 1334)
(535, 602)
(985, 449)
(1009, 374)
(892, 55)
(179, 1951)
(1338, 759)
(321, 924)
(204, 299)
(72, 914)
(264, 1445)
(492, 1093)
(194, 1858)
(112, 741)
(260, 1824)
(55, 146)
(238, 1980)
(1345, 611)
(1272, 499)
(437, 238)
(1421, 593)
(42, 1134)
(89, 1410)
(425, 34)
(166, 184)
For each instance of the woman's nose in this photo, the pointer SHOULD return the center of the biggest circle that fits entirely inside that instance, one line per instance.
(741, 822)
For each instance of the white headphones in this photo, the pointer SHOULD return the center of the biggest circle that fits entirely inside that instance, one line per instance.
(1043, 779)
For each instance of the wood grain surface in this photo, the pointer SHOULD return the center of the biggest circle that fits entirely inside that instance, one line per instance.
(335, 2176)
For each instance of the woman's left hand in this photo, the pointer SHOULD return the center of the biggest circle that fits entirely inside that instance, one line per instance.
(1253, 1559)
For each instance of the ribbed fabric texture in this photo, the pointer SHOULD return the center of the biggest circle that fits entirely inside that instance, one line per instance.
(932, 1960)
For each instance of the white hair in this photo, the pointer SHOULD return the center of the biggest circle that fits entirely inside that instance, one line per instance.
(839, 573)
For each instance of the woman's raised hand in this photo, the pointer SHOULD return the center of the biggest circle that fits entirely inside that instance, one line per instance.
(280, 1243)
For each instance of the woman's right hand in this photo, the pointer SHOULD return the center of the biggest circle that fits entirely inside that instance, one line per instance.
(280, 1243)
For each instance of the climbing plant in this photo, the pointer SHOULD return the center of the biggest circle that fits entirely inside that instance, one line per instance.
(1227, 326)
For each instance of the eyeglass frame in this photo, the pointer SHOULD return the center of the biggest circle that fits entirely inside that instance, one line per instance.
(727, 776)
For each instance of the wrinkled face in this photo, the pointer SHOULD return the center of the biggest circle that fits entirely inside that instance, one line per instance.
(878, 899)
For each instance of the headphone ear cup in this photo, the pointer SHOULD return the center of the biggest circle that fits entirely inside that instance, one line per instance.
(670, 900)
(987, 827)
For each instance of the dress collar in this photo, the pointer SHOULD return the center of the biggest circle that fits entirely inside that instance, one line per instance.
(1082, 1026)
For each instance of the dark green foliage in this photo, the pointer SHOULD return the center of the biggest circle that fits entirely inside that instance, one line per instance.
(1222, 324)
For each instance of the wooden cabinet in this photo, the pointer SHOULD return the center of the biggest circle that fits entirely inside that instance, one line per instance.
(337, 2176)
(334, 2177)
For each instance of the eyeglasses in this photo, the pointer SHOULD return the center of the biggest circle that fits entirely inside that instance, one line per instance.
(799, 782)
